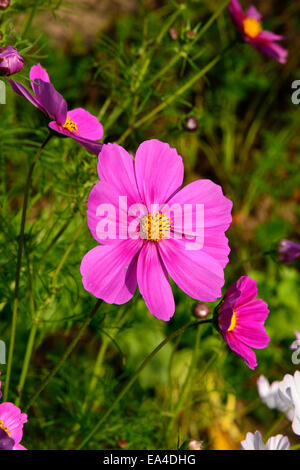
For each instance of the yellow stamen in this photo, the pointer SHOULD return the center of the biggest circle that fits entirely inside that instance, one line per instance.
(252, 27)
(155, 226)
(233, 322)
(4, 428)
(70, 125)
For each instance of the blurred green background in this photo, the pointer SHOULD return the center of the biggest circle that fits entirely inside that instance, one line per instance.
(119, 60)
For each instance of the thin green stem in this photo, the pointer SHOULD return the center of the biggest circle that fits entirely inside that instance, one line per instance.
(135, 376)
(171, 98)
(275, 426)
(18, 270)
(185, 385)
(32, 335)
(68, 352)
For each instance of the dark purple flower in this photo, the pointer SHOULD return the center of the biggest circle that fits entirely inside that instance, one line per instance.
(78, 123)
(250, 26)
(10, 61)
(288, 251)
(6, 443)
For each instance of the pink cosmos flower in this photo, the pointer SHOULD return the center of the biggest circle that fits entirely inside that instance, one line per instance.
(78, 123)
(250, 25)
(241, 319)
(11, 426)
(151, 250)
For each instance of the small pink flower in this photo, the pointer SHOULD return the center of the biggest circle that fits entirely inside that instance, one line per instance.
(250, 26)
(78, 123)
(241, 319)
(11, 426)
(146, 256)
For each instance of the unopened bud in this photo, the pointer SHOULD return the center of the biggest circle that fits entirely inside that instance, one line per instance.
(201, 310)
(288, 251)
(10, 61)
(173, 33)
(191, 123)
(4, 4)
(195, 445)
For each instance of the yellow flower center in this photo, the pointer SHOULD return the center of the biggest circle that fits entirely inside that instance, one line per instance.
(155, 226)
(252, 27)
(70, 125)
(233, 322)
(4, 428)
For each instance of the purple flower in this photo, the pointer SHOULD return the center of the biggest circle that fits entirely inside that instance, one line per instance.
(10, 61)
(250, 26)
(288, 251)
(78, 124)
(241, 320)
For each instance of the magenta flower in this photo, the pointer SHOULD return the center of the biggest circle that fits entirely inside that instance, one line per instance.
(241, 319)
(288, 251)
(143, 244)
(78, 123)
(11, 426)
(10, 61)
(250, 26)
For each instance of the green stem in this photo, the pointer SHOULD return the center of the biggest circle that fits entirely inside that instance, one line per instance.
(184, 387)
(31, 338)
(68, 352)
(18, 270)
(135, 376)
(171, 98)
(276, 425)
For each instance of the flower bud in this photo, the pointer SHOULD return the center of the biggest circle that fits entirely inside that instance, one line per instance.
(10, 61)
(191, 123)
(194, 445)
(4, 4)
(288, 251)
(173, 33)
(201, 310)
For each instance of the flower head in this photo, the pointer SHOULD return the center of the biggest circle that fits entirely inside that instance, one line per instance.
(289, 389)
(255, 442)
(4, 4)
(288, 251)
(11, 426)
(10, 61)
(78, 123)
(241, 319)
(250, 26)
(148, 229)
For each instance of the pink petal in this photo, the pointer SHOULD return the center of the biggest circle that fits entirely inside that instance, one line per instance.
(104, 205)
(252, 335)
(154, 283)
(159, 172)
(37, 72)
(248, 289)
(236, 13)
(116, 167)
(271, 49)
(88, 125)
(217, 216)
(109, 272)
(255, 310)
(195, 272)
(269, 36)
(252, 12)
(19, 447)
(241, 350)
